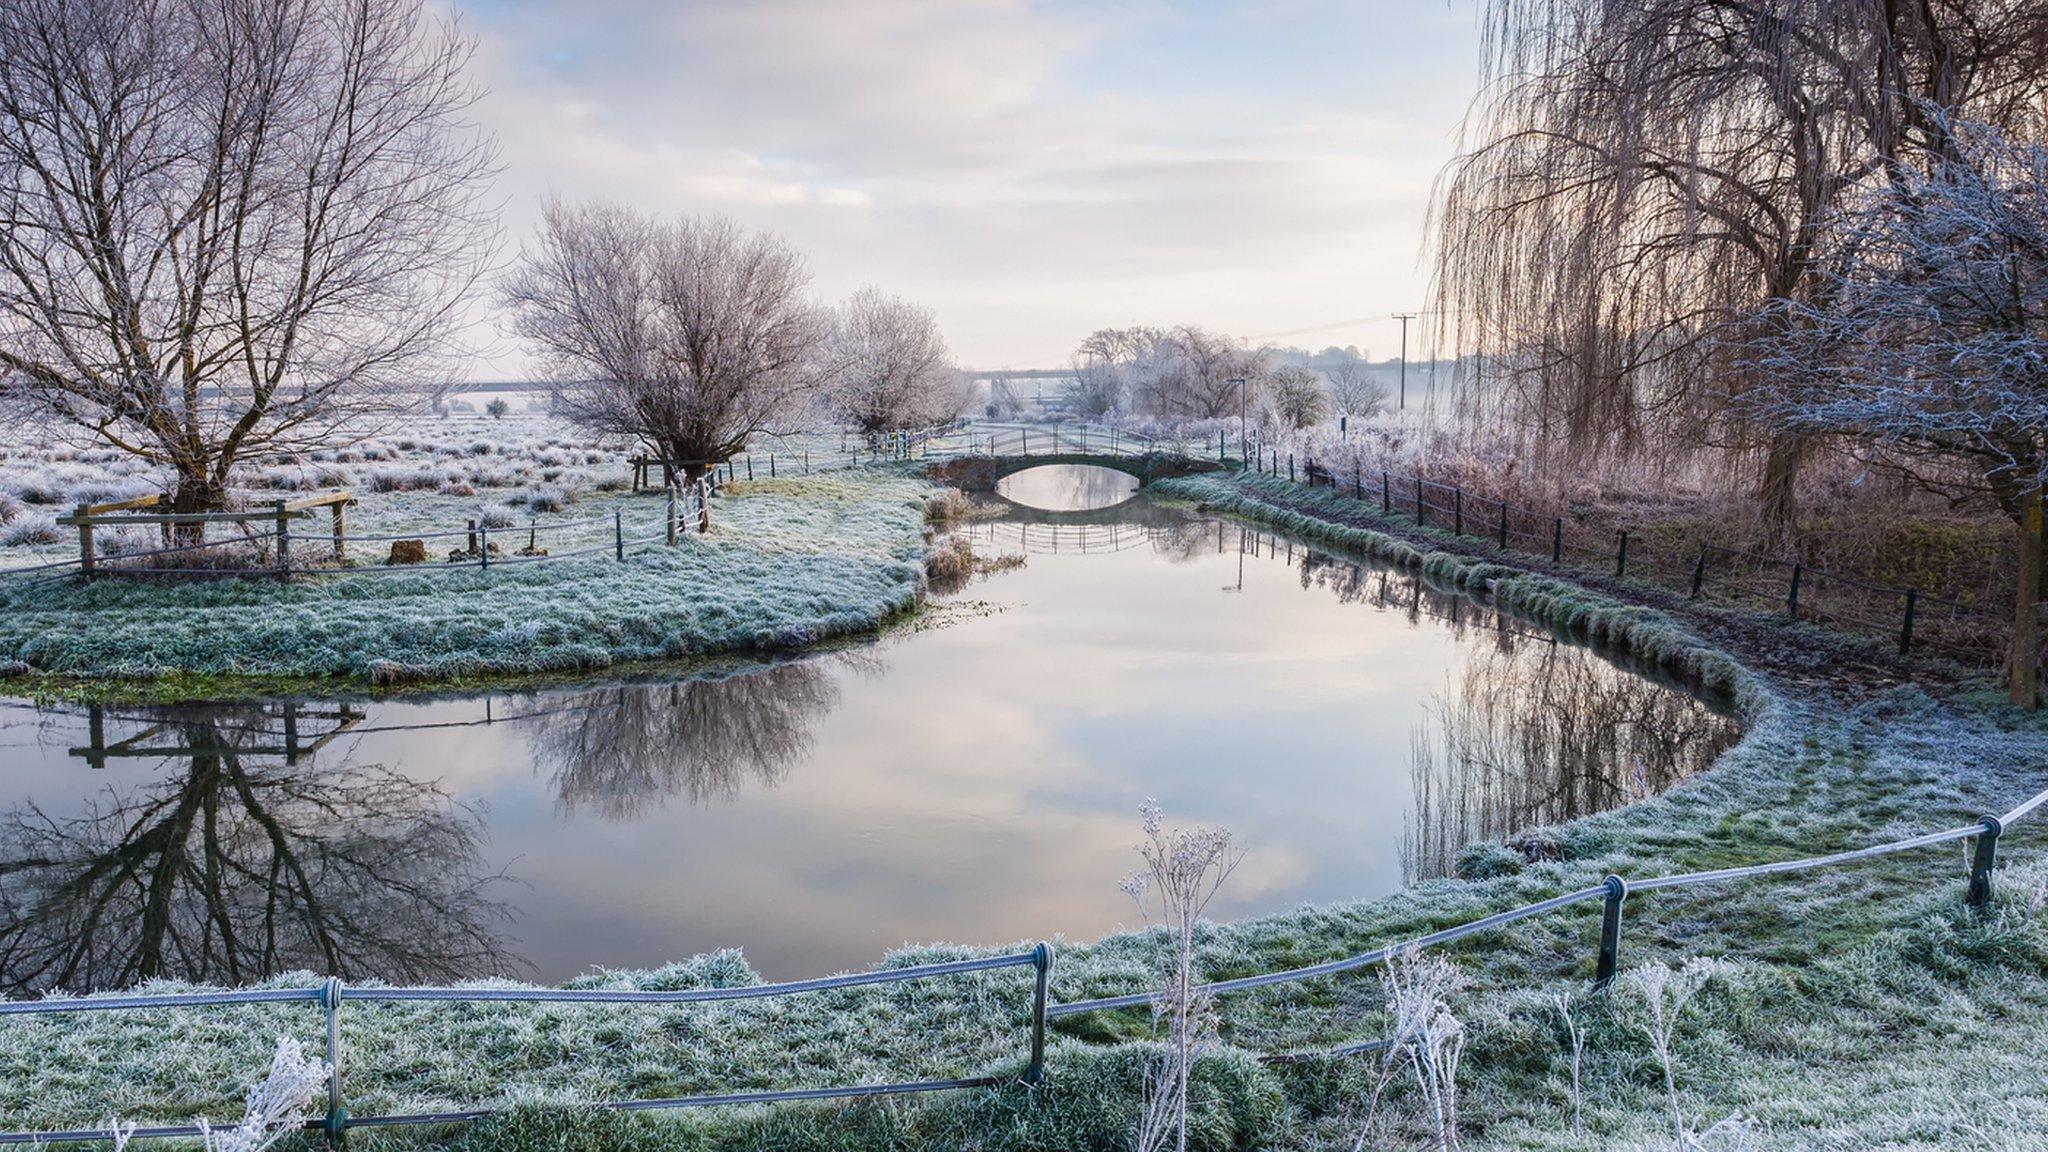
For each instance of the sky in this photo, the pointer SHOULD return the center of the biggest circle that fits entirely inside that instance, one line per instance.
(1030, 171)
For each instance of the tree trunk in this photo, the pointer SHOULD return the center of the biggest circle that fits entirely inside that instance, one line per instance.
(2026, 631)
(196, 493)
(1778, 492)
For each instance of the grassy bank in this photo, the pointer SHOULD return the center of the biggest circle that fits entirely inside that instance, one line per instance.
(791, 562)
(1860, 1008)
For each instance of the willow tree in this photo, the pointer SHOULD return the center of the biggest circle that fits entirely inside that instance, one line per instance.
(1642, 175)
(232, 226)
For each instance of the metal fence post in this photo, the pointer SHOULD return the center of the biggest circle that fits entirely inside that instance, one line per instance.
(1386, 494)
(1906, 625)
(1792, 593)
(671, 515)
(1557, 540)
(1041, 959)
(1290, 467)
(1419, 513)
(618, 534)
(1621, 554)
(1982, 862)
(336, 1122)
(1503, 525)
(1699, 574)
(483, 543)
(1357, 482)
(750, 466)
(1610, 933)
(1458, 511)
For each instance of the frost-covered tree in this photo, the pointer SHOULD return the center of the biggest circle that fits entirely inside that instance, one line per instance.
(1185, 373)
(233, 226)
(691, 335)
(1298, 396)
(1930, 338)
(1355, 388)
(888, 366)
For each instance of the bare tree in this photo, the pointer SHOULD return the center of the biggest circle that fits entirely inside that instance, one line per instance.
(1181, 373)
(1642, 176)
(232, 226)
(1931, 339)
(1298, 396)
(889, 366)
(1355, 388)
(691, 335)
(1111, 366)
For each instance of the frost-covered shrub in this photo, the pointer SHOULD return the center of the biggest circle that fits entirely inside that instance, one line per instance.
(541, 499)
(11, 508)
(1486, 861)
(30, 529)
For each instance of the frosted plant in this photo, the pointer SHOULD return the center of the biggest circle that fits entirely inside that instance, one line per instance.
(276, 1106)
(1577, 1037)
(1184, 869)
(1664, 992)
(1428, 1038)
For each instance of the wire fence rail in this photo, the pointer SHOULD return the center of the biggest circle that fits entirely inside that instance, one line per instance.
(1911, 618)
(1612, 893)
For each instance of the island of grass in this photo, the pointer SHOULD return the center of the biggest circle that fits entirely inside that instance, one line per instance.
(790, 563)
(1859, 1007)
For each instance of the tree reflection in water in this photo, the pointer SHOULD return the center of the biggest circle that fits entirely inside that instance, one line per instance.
(1534, 732)
(618, 751)
(239, 863)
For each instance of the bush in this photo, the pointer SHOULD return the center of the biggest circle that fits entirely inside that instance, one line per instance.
(33, 528)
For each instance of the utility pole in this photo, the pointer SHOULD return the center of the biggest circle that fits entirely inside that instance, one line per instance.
(1404, 318)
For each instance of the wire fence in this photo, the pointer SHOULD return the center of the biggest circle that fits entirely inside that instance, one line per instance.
(1612, 893)
(1911, 618)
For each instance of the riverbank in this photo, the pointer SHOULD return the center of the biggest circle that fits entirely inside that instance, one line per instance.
(1862, 1007)
(790, 563)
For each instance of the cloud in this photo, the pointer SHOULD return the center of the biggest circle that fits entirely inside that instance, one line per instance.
(1032, 171)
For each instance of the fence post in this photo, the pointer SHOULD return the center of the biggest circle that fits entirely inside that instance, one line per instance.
(1503, 525)
(1458, 511)
(1290, 467)
(750, 466)
(1386, 494)
(1906, 625)
(340, 518)
(1621, 554)
(1699, 574)
(771, 465)
(1418, 502)
(83, 514)
(671, 515)
(618, 534)
(1610, 933)
(336, 1123)
(1358, 482)
(1982, 862)
(1792, 593)
(472, 535)
(483, 549)
(284, 537)
(1557, 540)
(1041, 959)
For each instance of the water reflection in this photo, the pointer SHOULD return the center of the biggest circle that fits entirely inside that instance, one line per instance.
(238, 862)
(618, 751)
(1534, 733)
(1353, 724)
(1068, 487)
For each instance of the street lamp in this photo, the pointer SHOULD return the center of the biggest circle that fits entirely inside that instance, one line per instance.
(1243, 445)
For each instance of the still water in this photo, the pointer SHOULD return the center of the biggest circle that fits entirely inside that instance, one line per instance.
(974, 779)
